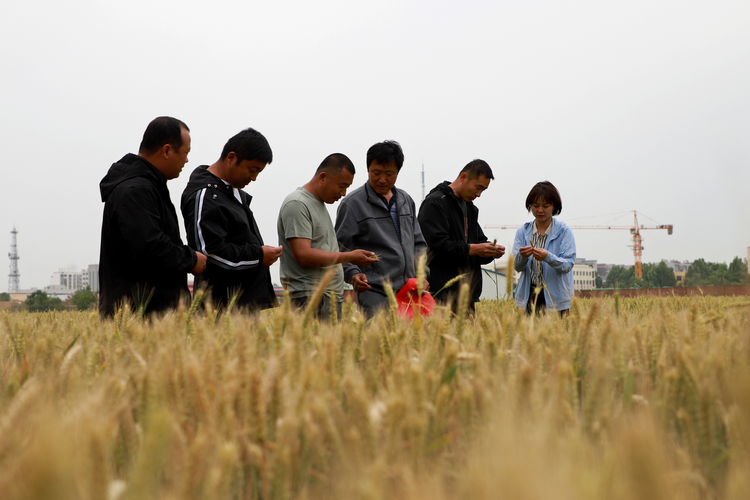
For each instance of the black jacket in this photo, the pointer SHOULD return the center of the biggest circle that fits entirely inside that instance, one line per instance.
(442, 223)
(224, 229)
(141, 250)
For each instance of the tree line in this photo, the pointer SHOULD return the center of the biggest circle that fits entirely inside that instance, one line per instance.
(700, 273)
(39, 301)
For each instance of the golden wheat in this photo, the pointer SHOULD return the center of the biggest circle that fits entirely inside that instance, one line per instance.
(627, 398)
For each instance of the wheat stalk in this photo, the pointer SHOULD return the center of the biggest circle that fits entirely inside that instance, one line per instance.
(509, 279)
(450, 283)
(317, 296)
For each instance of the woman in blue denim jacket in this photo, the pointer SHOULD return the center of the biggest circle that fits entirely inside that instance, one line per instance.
(544, 252)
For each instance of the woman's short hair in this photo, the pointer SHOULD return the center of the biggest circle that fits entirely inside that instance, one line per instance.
(547, 192)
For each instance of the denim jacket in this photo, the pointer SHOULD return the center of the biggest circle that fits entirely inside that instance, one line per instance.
(556, 267)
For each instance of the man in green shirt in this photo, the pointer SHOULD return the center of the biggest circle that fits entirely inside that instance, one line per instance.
(308, 239)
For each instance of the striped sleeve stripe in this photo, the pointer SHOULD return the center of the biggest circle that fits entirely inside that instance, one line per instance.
(201, 242)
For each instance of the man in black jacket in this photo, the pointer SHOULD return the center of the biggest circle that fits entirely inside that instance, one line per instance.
(142, 259)
(219, 223)
(456, 243)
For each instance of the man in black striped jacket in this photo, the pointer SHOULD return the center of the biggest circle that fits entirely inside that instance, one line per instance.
(220, 224)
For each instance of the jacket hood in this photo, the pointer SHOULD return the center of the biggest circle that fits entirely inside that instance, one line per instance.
(444, 188)
(129, 167)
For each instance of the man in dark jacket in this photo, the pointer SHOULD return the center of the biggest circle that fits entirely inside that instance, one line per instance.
(456, 243)
(220, 224)
(142, 259)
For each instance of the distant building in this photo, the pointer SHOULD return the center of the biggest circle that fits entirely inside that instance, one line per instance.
(586, 262)
(22, 295)
(603, 270)
(67, 279)
(680, 277)
(59, 291)
(66, 282)
(92, 278)
(584, 275)
(676, 266)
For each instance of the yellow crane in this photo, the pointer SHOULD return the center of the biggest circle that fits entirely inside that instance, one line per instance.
(635, 231)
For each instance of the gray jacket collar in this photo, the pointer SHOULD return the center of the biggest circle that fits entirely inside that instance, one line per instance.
(374, 198)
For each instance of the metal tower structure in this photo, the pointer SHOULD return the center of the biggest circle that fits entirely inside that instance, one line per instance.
(14, 275)
(422, 181)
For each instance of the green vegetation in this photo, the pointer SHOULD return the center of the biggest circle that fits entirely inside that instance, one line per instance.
(626, 398)
(84, 299)
(4, 297)
(700, 273)
(39, 301)
(703, 273)
(654, 276)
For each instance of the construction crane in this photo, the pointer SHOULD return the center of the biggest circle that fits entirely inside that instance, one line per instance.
(635, 231)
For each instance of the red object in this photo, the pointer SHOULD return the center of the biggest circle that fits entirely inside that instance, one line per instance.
(408, 300)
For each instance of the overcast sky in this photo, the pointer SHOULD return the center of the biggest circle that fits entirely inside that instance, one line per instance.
(639, 105)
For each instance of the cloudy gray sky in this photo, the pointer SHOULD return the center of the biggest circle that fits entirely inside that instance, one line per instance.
(640, 105)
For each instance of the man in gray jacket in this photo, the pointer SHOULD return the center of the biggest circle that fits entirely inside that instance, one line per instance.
(381, 218)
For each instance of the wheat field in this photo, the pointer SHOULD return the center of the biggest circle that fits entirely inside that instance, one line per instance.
(624, 399)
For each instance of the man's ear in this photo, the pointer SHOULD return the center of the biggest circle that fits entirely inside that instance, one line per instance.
(165, 150)
(231, 158)
(463, 177)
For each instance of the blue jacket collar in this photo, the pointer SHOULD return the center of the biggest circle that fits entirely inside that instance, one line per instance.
(557, 227)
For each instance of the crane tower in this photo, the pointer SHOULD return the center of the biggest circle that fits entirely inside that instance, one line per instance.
(14, 275)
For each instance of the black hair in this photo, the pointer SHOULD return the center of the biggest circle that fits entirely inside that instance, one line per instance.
(334, 163)
(384, 153)
(248, 145)
(162, 130)
(478, 168)
(547, 192)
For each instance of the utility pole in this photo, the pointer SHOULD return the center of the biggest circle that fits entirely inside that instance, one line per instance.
(422, 181)
(14, 275)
